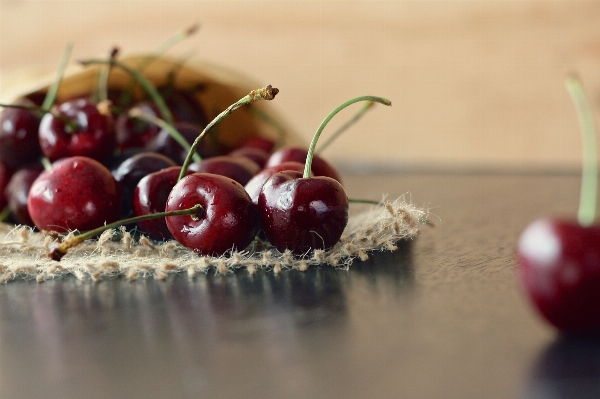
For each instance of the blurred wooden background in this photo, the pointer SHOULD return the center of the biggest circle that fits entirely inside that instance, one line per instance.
(474, 84)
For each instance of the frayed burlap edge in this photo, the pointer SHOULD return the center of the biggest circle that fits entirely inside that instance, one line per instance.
(23, 252)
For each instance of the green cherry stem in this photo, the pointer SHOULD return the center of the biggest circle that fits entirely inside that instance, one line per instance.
(60, 250)
(102, 89)
(313, 143)
(266, 93)
(142, 81)
(5, 213)
(367, 106)
(174, 133)
(589, 179)
(53, 90)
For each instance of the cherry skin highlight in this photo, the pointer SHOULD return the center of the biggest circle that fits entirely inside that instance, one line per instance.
(255, 184)
(78, 193)
(229, 220)
(302, 214)
(92, 134)
(320, 167)
(559, 269)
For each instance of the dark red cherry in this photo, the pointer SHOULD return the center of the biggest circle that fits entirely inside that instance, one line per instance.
(320, 167)
(19, 135)
(255, 184)
(255, 154)
(163, 143)
(262, 143)
(18, 189)
(240, 169)
(184, 106)
(559, 269)
(88, 133)
(151, 196)
(229, 220)
(5, 175)
(133, 169)
(302, 214)
(136, 133)
(78, 193)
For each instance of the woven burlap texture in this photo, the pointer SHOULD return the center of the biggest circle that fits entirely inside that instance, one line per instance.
(23, 252)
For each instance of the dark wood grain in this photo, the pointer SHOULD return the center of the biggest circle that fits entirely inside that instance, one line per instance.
(440, 318)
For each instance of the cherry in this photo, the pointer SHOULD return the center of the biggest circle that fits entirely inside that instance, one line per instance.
(255, 184)
(150, 196)
(559, 267)
(259, 142)
(133, 132)
(17, 190)
(240, 169)
(77, 193)
(184, 106)
(229, 221)
(133, 169)
(19, 135)
(320, 167)
(5, 175)
(90, 132)
(300, 213)
(559, 260)
(255, 154)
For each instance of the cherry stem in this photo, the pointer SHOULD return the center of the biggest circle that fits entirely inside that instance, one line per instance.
(46, 164)
(160, 50)
(5, 213)
(102, 89)
(145, 83)
(313, 143)
(266, 93)
(174, 133)
(53, 90)
(368, 105)
(589, 179)
(363, 201)
(61, 249)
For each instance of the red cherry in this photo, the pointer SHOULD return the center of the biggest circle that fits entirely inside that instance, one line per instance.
(240, 169)
(559, 267)
(5, 175)
(18, 189)
(133, 169)
(78, 193)
(262, 143)
(320, 167)
(229, 220)
(302, 214)
(255, 154)
(134, 132)
(151, 196)
(255, 184)
(90, 132)
(19, 135)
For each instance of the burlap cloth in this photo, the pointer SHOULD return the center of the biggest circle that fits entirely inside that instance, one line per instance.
(23, 252)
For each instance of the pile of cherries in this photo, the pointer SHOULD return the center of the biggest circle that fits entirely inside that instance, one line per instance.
(103, 164)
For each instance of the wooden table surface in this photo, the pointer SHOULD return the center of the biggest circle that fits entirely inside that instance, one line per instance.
(442, 317)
